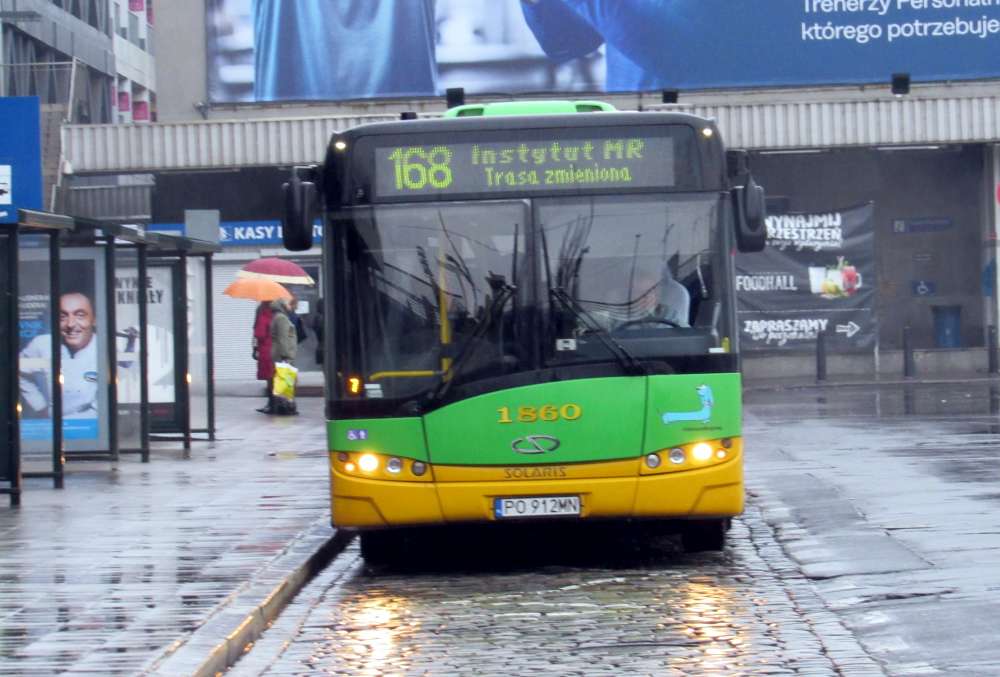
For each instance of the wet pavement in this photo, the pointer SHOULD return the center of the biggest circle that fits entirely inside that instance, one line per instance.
(869, 546)
(887, 499)
(588, 606)
(128, 561)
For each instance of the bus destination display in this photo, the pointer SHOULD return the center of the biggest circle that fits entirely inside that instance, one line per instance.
(524, 166)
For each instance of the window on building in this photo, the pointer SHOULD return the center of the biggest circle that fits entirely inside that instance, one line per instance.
(95, 15)
(133, 29)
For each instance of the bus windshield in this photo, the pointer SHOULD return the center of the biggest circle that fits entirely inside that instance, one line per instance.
(453, 293)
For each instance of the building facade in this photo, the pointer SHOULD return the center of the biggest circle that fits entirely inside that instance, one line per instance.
(135, 80)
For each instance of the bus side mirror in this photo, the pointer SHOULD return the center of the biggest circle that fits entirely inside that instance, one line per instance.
(749, 206)
(300, 208)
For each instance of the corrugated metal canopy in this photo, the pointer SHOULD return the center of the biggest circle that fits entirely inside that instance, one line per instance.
(820, 123)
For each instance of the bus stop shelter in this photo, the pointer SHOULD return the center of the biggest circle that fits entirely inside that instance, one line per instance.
(47, 232)
(122, 317)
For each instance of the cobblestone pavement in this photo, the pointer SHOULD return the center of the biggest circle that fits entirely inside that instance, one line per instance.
(102, 577)
(746, 611)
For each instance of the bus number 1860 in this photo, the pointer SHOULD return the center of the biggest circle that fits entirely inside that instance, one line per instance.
(547, 412)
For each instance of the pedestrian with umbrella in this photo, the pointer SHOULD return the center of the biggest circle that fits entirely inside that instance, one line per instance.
(266, 292)
(284, 348)
(270, 328)
(262, 351)
(284, 272)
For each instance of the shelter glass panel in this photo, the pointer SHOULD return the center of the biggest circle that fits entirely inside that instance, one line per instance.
(34, 337)
(198, 340)
(162, 351)
(128, 332)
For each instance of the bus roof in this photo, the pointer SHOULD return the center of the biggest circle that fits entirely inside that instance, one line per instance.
(528, 108)
(550, 120)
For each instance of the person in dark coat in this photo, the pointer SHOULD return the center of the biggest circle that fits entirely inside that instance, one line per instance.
(284, 345)
(318, 328)
(262, 350)
(300, 326)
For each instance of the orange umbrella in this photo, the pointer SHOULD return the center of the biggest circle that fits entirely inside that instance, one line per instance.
(257, 289)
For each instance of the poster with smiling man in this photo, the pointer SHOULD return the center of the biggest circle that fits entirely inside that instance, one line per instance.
(80, 303)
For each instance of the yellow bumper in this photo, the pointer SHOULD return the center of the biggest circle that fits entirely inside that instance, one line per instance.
(616, 489)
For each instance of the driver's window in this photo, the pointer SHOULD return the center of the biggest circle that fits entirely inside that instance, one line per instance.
(628, 261)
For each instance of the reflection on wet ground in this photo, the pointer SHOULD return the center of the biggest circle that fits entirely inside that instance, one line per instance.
(879, 401)
(952, 428)
(545, 605)
(102, 576)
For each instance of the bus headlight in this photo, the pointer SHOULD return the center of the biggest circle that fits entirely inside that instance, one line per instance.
(702, 452)
(699, 455)
(371, 465)
(368, 462)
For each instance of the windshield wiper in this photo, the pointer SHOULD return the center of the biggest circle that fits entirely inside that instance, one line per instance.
(502, 294)
(629, 363)
(627, 360)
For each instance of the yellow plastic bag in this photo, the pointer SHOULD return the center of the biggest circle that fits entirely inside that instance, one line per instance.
(285, 376)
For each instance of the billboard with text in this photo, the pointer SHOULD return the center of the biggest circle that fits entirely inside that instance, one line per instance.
(283, 50)
(816, 275)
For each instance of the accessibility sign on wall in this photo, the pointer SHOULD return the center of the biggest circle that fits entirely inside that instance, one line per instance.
(817, 274)
(20, 156)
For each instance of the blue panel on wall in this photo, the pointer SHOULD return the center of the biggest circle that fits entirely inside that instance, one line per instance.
(20, 156)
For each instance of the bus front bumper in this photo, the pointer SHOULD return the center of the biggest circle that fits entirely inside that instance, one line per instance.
(710, 492)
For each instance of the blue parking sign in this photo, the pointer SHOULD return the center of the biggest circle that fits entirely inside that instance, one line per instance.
(20, 156)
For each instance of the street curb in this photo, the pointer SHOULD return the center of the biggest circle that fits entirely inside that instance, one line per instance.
(241, 632)
(226, 653)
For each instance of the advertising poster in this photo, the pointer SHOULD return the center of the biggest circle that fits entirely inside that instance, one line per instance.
(162, 352)
(128, 347)
(83, 350)
(284, 50)
(816, 274)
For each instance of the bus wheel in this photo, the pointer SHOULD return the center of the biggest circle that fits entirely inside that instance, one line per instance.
(704, 535)
(379, 547)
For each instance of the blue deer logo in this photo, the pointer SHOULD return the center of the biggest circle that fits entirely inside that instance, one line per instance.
(702, 415)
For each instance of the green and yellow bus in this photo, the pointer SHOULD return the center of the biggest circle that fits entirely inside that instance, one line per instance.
(530, 316)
